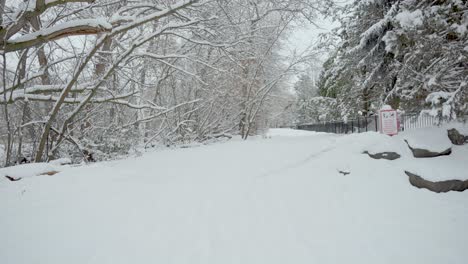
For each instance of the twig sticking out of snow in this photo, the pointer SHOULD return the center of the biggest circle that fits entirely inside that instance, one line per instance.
(12, 179)
(344, 172)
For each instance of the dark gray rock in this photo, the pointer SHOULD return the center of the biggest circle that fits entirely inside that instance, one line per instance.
(456, 137)
(438, 187)
(424, 153)
(384, 155)
(344, 172)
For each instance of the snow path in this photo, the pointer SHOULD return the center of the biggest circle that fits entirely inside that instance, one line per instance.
(274, 200)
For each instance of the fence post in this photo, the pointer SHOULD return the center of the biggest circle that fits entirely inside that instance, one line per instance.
(358, 126)
(376, 125)
(365, 118)
(402, 122)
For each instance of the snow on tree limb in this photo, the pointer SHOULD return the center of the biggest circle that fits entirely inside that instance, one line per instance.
(169, 70)
(122, 29)
(52, 98)
(30, 12)
(42, 89)
(154, 16)
(74, 28)
(375, 29)
(66, 29)
(164, 111)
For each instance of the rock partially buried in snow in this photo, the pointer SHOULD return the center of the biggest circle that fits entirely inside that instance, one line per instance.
(443, 168)
(19, 172)
(425, 153)
(455, 137)
(344, 172)
(383, 155)
(438, 186)
(428, 143)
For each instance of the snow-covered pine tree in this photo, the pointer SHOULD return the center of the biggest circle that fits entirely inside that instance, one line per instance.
(409, 54)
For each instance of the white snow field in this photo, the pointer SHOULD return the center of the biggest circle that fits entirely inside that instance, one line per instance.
(278, 199)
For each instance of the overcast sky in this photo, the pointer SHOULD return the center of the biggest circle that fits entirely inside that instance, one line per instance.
(302, 38)
(305, 36)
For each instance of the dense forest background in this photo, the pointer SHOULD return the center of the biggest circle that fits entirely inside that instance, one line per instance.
(97, 79)
(411, 55)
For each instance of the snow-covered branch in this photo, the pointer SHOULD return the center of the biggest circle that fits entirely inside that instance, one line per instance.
(65, 29)
(30, 10)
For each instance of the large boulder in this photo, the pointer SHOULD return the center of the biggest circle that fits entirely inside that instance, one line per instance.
(455, 137)
(426, 153)
(428, 142)
(383, 155)
(437, 186)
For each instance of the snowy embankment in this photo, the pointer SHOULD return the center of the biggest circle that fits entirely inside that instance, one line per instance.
(22, 171)
(449, 167)
(279, 199)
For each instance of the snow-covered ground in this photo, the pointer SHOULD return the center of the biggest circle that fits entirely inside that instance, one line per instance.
(273, 199)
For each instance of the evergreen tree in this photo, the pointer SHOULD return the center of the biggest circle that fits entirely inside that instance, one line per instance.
(409, 54)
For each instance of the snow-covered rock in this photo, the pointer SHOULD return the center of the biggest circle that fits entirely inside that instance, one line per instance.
(384, 155)
(437, 186)
(455, 137)
(27, 170)
(461, 127)
(425, 153)
(385, 143)
(451, 167)
(428, 142)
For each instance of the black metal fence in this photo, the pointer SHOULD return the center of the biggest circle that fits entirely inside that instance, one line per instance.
(407, 121)
(358, 125)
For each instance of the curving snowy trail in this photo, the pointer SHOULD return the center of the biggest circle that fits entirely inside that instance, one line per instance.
(267, 200)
